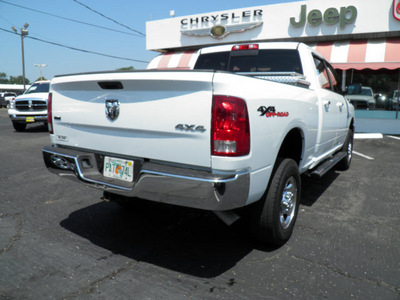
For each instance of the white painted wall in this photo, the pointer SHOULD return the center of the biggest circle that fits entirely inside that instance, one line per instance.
(372, 17)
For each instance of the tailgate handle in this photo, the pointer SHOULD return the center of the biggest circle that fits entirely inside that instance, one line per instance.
(110, 85)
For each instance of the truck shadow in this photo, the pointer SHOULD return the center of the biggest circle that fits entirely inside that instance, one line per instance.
(181, 239)
(312, 189)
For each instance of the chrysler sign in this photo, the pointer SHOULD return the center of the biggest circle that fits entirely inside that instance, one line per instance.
(233, 17)
(219, 26)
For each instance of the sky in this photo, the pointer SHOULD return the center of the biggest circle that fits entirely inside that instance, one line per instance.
(48, 22)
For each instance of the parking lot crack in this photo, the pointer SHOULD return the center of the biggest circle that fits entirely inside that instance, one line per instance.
(16, 237)
(5, 178)
(348, 275)
(89, 289)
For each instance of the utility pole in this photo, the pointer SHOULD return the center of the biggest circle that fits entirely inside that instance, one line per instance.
(24, 32)
(41, 66)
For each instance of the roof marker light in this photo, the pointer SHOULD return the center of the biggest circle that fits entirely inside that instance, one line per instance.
(245, 47)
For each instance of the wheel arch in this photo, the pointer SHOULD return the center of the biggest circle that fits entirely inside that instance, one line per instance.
(292, 145)
(351, 126)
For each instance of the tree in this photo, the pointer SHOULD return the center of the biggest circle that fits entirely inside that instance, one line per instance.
(3, 78)
(131, 68)
(18, 80)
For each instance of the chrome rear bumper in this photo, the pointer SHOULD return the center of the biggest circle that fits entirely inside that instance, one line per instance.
(154, 181)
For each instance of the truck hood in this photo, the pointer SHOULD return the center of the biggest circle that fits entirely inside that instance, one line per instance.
(42, 96)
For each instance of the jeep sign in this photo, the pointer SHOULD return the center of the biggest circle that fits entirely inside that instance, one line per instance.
(332, 16)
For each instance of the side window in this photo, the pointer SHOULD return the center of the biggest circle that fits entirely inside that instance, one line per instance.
(213, 61)
(322, 72)
(334, 79)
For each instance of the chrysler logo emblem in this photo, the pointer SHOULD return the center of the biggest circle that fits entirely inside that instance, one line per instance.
(112, 109)
(221, 31)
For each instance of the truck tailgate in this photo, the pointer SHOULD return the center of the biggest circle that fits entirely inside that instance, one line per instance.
(162, 116)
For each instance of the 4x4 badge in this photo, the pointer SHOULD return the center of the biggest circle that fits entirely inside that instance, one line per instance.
(270, 112)
(112, 109)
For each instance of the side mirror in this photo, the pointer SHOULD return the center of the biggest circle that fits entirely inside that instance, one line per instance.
(354, 89)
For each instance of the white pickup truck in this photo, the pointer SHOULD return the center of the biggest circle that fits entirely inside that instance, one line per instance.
(30, 107)
(231, 136)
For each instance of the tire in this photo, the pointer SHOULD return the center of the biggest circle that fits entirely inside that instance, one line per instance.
(272, 219)
(19, 126)
(345, 163)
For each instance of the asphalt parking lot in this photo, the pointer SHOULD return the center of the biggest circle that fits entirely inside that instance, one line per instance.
(58, 240)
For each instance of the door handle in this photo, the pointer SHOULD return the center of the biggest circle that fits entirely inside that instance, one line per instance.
(339, 104)
(326, 102)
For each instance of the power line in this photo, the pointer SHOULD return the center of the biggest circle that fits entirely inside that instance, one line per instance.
(71, 20)
(7, 21)
(108, 18)
(76, 49)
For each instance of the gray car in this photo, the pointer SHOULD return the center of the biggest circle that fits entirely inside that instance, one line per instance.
(6, 98)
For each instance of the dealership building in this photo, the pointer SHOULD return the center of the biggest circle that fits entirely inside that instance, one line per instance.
(361, 38)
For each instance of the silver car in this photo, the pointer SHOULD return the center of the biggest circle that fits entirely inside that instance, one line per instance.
(365, 100)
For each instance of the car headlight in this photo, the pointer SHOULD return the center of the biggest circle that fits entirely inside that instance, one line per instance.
(12, 104)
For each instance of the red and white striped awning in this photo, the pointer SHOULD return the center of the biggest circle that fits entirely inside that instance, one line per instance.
(174, 60)
(352, 54)
(362, 54)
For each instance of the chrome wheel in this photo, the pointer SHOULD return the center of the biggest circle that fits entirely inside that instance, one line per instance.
(272, 219)
(348, 146)
(349, 150)
(288, 203)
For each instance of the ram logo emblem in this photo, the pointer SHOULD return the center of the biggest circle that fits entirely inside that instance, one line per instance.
(112, 109)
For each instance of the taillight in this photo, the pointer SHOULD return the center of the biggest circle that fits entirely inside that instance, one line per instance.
(50, 113)
(230, 134)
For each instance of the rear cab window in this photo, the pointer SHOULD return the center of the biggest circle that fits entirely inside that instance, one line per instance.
(264, 60)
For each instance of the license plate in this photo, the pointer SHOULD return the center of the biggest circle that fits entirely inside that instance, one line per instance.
(30, 119)
(118, 168)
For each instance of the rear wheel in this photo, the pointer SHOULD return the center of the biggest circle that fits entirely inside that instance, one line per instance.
(19, 126)
(344, 164)
(272, 218)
